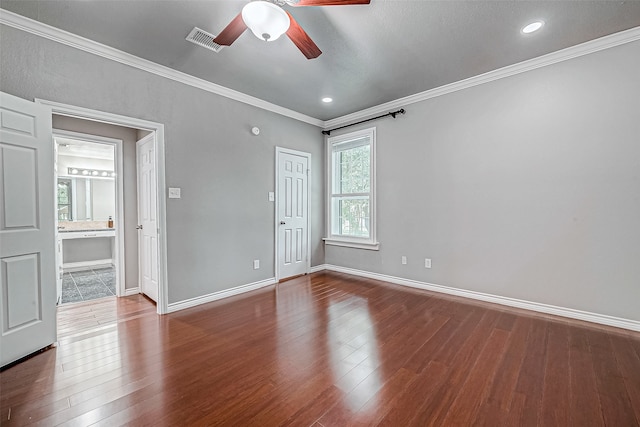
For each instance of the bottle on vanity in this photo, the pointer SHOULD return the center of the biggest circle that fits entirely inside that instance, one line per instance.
(110, 222)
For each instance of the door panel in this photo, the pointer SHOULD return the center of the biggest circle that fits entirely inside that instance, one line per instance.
(293, 214)
(27, 215)
(147, 209)
(22, 288)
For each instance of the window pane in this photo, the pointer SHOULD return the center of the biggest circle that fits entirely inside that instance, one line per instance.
(64, 192)
(64, 199)
(352, 168)
(352, 216)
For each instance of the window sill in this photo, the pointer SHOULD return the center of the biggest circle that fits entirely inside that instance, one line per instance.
(352, 244)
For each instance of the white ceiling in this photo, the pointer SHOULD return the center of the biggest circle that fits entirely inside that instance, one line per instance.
(85, 149)
(372, 54)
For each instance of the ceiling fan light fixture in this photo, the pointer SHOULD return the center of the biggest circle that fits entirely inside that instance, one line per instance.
(265, 20)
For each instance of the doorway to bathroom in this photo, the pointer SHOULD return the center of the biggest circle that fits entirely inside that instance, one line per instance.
(128, 231)
(89, 213)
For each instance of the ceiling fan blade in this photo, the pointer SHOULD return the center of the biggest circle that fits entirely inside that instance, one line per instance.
(329, 2)
(302, 40)
(231, 31)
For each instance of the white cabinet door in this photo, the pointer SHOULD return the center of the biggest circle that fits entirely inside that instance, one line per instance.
(27, 217)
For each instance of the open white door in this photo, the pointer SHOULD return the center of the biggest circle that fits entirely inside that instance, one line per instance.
(27, 252)
(292, 213)
(58, 242)
(147, 218)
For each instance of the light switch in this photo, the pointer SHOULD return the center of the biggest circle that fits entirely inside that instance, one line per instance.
(272, 196)
(174, 193)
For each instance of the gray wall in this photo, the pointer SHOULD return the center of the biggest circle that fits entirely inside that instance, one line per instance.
(129, 184)
(224, 220)
(527, 187)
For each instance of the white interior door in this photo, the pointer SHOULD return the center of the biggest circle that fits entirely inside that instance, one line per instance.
(147, 217)
(58, 242)
(27, 215)
(292, 213)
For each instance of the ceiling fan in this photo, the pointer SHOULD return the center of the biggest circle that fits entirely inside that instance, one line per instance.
(268, 21)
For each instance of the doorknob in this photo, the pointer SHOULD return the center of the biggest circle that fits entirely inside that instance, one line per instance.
(282, 223)
(139, 227)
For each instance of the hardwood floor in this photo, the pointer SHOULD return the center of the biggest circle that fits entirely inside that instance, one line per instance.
(325, 350)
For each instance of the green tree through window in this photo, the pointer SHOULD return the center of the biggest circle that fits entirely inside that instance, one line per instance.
(64, 200)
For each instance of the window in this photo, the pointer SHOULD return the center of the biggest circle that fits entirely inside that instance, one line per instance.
(64, 200)
(351, 211)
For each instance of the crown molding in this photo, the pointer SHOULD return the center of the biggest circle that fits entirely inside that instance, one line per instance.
(55, 34)
(582, 49)
(64, 37)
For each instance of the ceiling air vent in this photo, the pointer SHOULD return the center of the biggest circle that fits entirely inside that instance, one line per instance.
(204, 39)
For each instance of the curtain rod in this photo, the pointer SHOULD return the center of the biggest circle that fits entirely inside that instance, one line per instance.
(393, 114)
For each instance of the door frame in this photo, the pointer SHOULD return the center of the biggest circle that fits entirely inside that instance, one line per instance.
(118, 169)
(161, 206)
(276, 222)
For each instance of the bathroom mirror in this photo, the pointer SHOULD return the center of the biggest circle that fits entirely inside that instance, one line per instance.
(86, 180)
(86, 198)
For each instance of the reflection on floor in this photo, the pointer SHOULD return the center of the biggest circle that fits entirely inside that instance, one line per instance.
(88, 285)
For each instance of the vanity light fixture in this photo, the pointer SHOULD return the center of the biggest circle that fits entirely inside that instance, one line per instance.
(91, 172)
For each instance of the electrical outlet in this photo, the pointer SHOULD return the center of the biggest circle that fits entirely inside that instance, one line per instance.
(427, 263)
(404, 260)
(256, 264)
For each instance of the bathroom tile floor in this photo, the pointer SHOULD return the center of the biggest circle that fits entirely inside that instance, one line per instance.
(88, 285)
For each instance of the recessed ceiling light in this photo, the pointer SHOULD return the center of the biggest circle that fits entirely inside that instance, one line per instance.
(532, 27)
(327, 99)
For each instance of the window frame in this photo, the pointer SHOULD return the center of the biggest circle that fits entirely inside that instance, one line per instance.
(371, 242)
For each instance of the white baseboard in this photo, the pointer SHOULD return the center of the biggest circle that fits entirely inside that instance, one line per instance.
(87, 265)
(317, 268)
(192, 302)
(602, 319)
(132, 291)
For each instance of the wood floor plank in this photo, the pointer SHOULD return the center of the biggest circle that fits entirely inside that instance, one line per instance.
(323, 350)
(532, 373)
(556, 392)
(616, 404)
(502, 391)
(628, 361)
(584, 405)
(472, 338)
